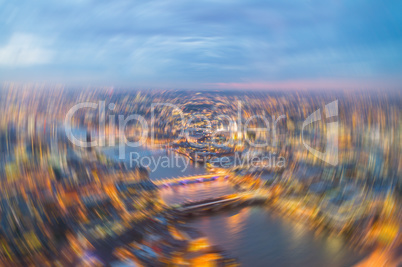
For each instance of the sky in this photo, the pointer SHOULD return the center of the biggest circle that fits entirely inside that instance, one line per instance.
(204, 44)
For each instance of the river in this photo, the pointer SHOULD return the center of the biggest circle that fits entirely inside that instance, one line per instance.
(256, 236)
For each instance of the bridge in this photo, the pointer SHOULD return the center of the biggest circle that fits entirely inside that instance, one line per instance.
(189, 179)
(216, 204)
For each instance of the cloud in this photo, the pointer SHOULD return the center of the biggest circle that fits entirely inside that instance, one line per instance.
(24, 50)
(316, 84)
(202, 42)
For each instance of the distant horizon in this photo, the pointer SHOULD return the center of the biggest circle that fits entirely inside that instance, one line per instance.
(237, 88)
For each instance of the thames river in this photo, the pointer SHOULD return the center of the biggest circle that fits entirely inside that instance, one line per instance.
(256, 236)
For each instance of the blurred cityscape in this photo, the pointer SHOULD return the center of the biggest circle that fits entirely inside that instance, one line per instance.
(191, 178)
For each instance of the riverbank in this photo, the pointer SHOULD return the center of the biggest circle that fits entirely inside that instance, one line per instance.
(163, 240)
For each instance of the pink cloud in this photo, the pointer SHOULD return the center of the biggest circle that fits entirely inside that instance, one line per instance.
(306, 85)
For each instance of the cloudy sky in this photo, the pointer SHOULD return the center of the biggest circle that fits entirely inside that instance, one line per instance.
(249, 44)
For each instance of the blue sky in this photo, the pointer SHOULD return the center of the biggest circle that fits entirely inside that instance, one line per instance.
(250, 44)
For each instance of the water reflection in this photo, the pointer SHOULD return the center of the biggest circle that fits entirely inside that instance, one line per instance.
(236, 222)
